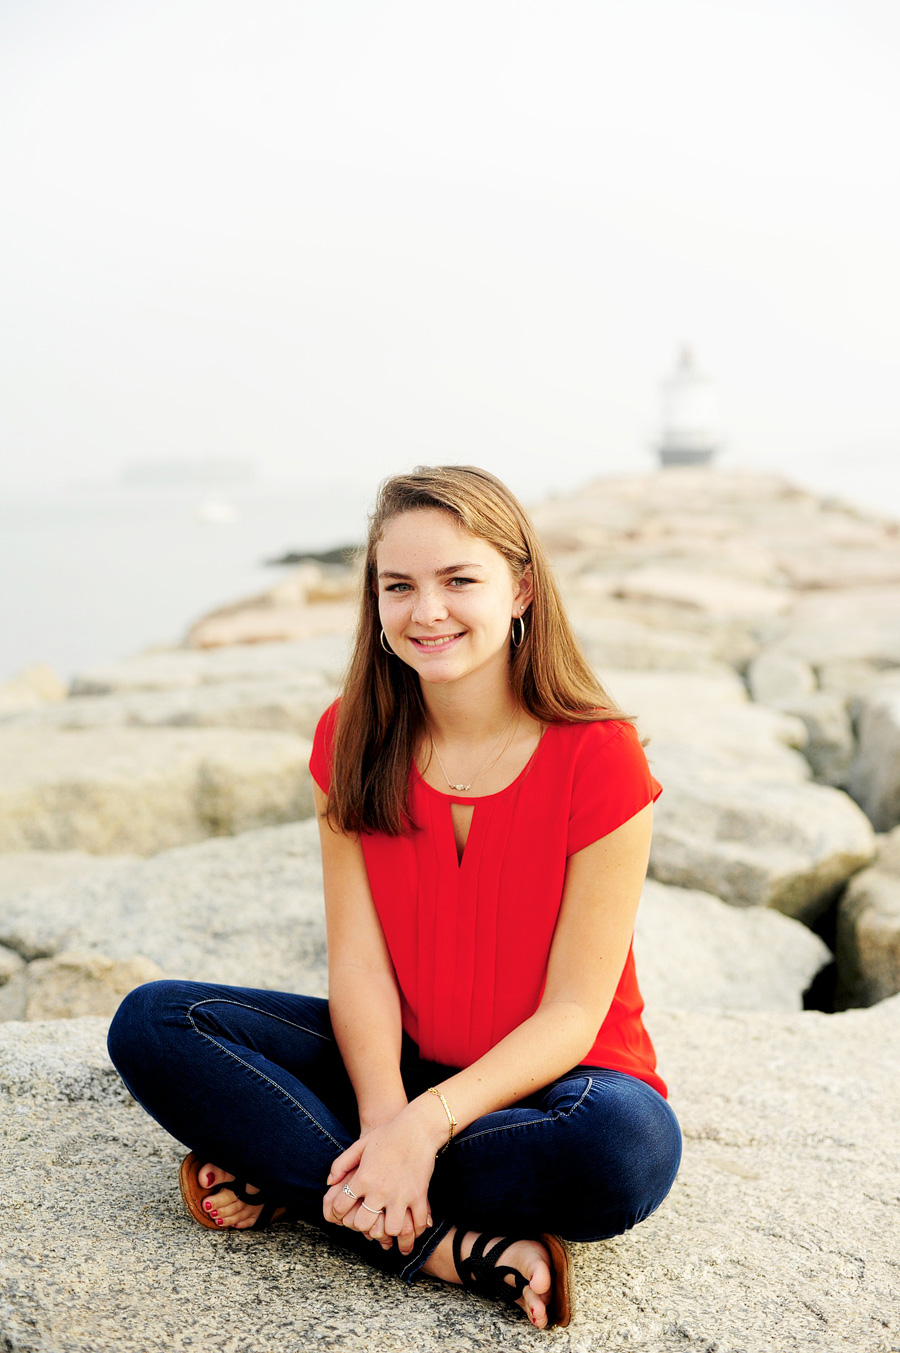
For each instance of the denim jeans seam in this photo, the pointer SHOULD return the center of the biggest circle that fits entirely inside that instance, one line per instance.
(255, 1070)
(430, 1243)
(532, 1122)
(267, 1014)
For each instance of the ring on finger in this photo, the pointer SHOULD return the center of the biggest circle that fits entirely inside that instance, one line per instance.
(349, 1192)
(376, 1210)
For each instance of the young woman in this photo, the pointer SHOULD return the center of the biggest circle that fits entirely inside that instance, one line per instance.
(479, 1086)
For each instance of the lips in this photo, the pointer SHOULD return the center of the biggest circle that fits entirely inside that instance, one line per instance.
(435, 641)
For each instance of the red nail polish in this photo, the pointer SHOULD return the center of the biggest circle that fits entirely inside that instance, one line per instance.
(218, 1221)
(210, 1179)
(213, 1213)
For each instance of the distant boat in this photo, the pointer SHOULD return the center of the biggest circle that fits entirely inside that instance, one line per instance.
(215, 512)
(201, 471)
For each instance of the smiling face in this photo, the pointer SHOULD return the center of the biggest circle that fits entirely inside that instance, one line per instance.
(446, 598)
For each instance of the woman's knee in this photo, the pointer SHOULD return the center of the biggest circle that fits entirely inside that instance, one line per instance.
(629, 1161)
(137, 1024)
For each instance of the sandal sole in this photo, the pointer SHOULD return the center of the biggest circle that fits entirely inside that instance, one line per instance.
(563, 1307)
(193, 1192)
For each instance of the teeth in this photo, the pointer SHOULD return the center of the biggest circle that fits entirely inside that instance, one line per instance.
(436, 643)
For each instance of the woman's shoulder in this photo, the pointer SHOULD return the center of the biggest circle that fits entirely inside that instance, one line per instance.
(323, 746)
(593, 736)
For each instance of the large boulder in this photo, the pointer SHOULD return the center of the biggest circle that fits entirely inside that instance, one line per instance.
(756, 842)
(176, 668)
(874, 777)
(712, 594)
(830, 742)
(868, 930)
(850, 637)
(246, 910)
(739, 817)
(141, 790)
(694, 952)
(20, 871)
(778, 1234)
(11, 963)
(611, 640)
(31, 688)
(773, 677)
(291, 704)
(73, 984)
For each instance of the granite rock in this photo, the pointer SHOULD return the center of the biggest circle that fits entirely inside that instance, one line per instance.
(10, 964)
(172, 669)
(245, 910)
(248, 910)
(20, 871)
(739, 817)
(779, 1234)
(290, 704)
(775, 677)
(850, 637)
(830, 741)
(874, 777)
(142, 790)
(611, 640)
(32, 687)
(72, 984)
(754, 842)
(868, 930)
(694, 952)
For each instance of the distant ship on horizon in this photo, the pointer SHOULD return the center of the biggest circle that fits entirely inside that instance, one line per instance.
(198, 471)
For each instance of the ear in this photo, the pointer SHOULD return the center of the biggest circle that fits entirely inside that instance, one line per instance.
(524, 594)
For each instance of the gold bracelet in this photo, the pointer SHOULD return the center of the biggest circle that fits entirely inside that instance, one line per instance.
(433, 1090)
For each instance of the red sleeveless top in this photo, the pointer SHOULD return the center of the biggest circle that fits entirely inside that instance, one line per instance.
(470, 939)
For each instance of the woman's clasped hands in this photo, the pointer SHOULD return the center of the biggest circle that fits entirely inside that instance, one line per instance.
(379, 1185)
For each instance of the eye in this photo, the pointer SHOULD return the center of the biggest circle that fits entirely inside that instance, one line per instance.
(461, 581)
(397, 587)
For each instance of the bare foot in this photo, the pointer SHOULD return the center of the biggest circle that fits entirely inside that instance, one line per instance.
(224, 1207)
(528, 1257)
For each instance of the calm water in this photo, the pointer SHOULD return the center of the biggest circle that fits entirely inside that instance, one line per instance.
(89, 577)
(92, 576)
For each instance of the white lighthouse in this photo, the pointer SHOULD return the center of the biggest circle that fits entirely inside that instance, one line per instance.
(690, 420)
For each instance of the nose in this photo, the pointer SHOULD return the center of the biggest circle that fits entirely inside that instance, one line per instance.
(429, 606)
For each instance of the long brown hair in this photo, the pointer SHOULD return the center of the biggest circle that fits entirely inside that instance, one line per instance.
(381, 716)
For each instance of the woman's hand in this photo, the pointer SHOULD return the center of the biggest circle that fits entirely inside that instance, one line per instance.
(388, 1169)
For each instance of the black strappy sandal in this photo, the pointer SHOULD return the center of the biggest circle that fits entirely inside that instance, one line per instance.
(479, 1272)
(193, 1194)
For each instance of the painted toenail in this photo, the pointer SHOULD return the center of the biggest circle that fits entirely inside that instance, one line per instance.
(210, 1179)
(218, 1221)
(208, 1206)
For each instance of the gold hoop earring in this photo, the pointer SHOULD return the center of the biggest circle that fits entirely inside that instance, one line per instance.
(517, 620)
(385, 646)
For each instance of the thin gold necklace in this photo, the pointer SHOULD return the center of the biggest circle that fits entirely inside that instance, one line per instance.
(462, 789)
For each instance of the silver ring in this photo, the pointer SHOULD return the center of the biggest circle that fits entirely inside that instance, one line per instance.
(349, 1192)
(376, 1210)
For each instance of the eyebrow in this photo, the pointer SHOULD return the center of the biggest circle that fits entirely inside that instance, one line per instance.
(441, 572)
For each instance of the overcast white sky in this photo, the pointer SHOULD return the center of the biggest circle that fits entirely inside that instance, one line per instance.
(347, 236)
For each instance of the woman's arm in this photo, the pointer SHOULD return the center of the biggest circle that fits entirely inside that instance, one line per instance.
(589, 949)
(363, 999)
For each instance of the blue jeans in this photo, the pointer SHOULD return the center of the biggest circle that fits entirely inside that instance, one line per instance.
(253, 1081)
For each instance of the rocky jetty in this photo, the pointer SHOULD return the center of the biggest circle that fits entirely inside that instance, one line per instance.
(156, 820)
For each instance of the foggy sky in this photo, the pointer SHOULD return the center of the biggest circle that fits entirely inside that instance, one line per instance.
(348, 237)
